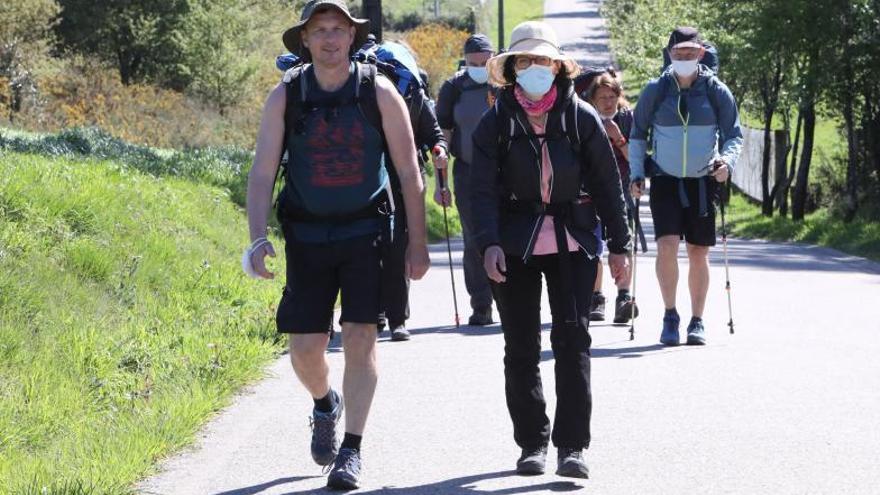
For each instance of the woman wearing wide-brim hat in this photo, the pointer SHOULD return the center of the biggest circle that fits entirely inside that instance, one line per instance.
(543, 170)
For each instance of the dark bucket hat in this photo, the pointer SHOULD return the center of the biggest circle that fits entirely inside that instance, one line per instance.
(293, 40)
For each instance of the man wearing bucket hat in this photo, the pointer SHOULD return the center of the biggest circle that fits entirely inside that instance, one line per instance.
(335, 214)
(543, 170)
(684, 112)
(461, 103)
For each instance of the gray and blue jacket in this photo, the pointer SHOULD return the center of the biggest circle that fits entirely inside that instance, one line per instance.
(684, 147)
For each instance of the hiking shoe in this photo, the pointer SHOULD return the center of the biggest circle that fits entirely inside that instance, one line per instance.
(399, 334)
(696, 333)
(481, 317)
(572, 464)
(325, 445)
(597, 307)
(381, 323)
(625, 308)
(532, 461)
(346, 472)
(669, 336)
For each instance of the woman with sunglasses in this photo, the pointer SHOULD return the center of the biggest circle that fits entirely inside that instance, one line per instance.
(536, 154)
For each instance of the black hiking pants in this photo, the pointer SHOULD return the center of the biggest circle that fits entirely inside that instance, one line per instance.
(519, 304)
(395, 284)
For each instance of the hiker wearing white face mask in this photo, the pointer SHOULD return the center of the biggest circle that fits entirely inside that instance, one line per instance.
(462, 101)
(682, 115)
(543, 174)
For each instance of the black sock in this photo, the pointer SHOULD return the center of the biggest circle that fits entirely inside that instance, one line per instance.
(671, 312)
(326, 403)
(351, 441)
(696, 319)
(621, 293)
(597, 293)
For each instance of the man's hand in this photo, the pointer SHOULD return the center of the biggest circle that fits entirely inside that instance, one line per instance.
(614, 133)
(637, 188)
(444, 197)
(258, 259)
(417, 261)
(720, 171)
(495, 264)
(441, 159)
(619, 264)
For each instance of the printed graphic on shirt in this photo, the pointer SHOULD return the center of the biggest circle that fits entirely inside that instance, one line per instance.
(336, 149)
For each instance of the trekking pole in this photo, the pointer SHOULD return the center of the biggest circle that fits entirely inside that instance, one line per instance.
(441, 183)
(635, 254)
(726, 264)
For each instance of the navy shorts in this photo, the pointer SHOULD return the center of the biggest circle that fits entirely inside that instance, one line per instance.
(673, 217)
(317, 272)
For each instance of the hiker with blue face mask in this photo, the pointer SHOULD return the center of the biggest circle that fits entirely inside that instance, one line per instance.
(537, 153)
(689, 119)
(460, 104)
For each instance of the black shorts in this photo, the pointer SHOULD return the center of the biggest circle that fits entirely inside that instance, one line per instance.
(317, 272)
(672, 217)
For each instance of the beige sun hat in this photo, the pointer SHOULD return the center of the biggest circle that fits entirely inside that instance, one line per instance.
(530, 38)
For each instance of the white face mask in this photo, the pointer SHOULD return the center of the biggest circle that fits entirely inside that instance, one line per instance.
(608, 116)
(478, 74)
(684, 68)
(536, 80)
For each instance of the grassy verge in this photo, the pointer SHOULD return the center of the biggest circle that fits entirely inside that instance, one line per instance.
(860, 237)
(515, 12)
(125, 320)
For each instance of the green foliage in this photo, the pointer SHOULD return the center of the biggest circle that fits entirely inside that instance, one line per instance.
(25, 39)
(125, 320)
(515, 12)
(143, 39)
(220, 53)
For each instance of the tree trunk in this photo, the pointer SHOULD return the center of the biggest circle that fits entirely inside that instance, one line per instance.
(766, 194)
(851, 204)
(783, 207)
(799, 202)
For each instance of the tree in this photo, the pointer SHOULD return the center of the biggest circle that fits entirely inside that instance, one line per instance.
(142, 38)
(221, 48)
(25, 39)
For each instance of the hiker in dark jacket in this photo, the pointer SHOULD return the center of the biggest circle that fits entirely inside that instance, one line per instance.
(395, 286)
(605, 93)
(461, 103)
(683, 114)
(536, 153)
(337, 119)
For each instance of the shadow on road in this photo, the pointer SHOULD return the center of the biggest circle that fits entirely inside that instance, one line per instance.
(455, 486)
(589, 14)
(256, 489)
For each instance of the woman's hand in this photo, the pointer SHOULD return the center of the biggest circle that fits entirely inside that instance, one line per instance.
(614, 133)
(495, 264)
(619, 264)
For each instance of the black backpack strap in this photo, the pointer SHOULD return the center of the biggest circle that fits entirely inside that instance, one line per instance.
(569, 120)
(365, 95)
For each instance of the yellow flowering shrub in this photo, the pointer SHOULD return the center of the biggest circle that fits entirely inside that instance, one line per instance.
(439, 48)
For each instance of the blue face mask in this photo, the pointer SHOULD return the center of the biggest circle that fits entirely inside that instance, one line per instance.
(536, 80)
(478, 74)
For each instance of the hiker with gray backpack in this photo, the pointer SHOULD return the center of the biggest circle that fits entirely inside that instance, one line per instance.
(461, 103)
(689, 120)
(337, 119)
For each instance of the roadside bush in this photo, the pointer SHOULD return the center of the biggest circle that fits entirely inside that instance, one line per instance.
(439, 49)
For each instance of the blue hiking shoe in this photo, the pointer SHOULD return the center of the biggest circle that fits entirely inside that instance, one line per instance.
(325, 444)
(346, 472)
(696, 332)
(669, 336)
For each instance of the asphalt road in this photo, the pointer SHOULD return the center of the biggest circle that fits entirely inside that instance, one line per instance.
(788, 405)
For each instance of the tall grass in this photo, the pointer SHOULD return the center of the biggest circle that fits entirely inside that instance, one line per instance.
(125, 320)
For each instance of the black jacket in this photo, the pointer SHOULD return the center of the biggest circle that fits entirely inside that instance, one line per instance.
(506, 183)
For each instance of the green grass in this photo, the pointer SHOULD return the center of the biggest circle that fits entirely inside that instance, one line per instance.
(515, 12)
(125, 319)
(860, 237)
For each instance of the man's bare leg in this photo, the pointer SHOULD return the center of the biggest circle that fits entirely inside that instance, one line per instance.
(698, 277)
(667, 268)
(308, 357)
(359, 381)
